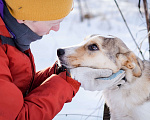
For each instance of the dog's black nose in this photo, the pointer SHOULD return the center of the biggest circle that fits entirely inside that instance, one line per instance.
(60, 52)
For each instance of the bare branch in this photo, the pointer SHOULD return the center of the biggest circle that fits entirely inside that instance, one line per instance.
(147, 21)
(129, 29)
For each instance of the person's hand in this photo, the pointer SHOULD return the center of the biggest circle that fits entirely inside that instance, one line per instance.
(58, 69)
(64, 73)
(93, 79)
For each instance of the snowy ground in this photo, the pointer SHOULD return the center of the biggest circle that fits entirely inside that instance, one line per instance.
(88, 105)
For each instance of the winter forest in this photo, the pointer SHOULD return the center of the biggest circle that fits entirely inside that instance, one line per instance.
(124, 19)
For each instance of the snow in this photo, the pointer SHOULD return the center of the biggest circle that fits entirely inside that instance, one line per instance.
(87, 105)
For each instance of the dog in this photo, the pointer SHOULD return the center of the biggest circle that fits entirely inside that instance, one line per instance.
(131, 101)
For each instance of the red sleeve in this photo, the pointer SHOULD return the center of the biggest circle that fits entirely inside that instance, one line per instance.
(42, 103)
(45, 101)
(42, 75)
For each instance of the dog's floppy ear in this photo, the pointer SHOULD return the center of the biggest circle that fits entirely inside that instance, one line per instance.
(132, 62)
(89, 36)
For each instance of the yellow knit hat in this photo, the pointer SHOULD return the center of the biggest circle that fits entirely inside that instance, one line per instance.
(39, 10)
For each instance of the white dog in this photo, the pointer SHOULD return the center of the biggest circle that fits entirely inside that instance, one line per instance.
(127, 99)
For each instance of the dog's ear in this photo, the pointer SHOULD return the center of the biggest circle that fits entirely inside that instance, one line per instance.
(130, 60)
(133, 63)
(87, 37)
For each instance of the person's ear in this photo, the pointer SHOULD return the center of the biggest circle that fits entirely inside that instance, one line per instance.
(20, 21)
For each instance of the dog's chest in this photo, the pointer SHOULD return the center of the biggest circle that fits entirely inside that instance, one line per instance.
(117, 105)
(122, 109)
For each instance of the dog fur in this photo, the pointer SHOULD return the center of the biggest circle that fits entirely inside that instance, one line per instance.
(131, 101)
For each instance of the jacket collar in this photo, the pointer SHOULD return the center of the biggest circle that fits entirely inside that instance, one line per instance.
(3, 29)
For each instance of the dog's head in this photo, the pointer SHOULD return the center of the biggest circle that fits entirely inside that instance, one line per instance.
(101, 52)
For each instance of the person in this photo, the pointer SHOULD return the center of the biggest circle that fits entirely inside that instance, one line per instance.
(24, 93)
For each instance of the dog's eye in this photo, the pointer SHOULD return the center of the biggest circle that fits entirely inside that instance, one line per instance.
(93, 47)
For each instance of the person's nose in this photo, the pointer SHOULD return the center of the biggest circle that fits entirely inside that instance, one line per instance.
(56, 27)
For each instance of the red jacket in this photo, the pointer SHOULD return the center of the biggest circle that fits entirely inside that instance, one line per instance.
(17, 71)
